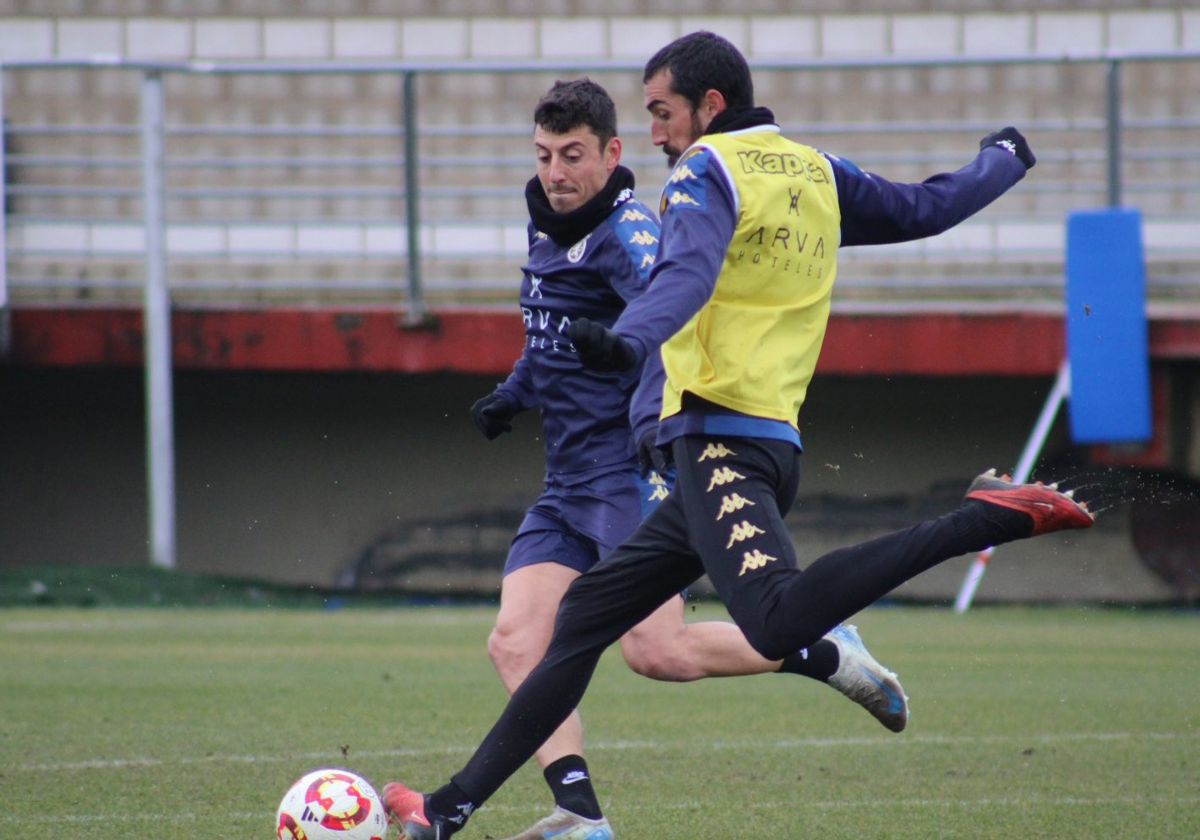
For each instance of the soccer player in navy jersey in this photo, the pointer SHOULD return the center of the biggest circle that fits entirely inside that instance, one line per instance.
(591, 248)
(736, 311)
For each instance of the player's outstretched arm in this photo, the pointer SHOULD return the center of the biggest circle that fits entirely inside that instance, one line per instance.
(876, 211)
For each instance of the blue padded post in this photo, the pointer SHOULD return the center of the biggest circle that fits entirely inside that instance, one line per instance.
(1106, 327)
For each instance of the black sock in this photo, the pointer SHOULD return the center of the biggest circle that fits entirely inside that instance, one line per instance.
(572, 786)
(452, 805)
(1002, 524)
(818, 662)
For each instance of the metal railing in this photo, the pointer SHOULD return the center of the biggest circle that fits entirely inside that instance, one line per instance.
(427, 202)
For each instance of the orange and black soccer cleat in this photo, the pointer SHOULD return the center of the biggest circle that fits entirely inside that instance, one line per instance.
(407, 811)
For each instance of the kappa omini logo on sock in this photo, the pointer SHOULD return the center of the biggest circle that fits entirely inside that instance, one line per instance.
(752, 560)
(714, 450)
(723, 475)
(464, 811)
(743, 531)
(731, 504)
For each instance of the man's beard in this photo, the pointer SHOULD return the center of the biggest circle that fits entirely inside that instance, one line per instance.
(674, 154)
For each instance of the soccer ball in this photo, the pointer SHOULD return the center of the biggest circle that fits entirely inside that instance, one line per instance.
(331, 804)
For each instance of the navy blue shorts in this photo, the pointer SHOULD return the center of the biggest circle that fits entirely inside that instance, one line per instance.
(578, 525)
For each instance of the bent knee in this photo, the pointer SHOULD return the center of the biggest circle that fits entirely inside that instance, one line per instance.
(514, 652)
(656, 658)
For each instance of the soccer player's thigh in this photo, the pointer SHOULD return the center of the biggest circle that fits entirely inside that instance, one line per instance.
(538, 573)
(651, 566)
(730, 492)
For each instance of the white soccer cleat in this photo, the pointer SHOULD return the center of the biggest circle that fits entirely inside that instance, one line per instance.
(562, 824)
(865, 681)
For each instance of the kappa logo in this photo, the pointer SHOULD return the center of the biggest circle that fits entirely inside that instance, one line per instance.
(722, 475)
(714, 450)
(752, 560)
(623, 196)
(1007, 145)
(782, 163)
(633, 215)
(682, 198)
(661, 492)
(643, 237)
(743, 531)
(647, 259)
(682, 173)
(731, 504)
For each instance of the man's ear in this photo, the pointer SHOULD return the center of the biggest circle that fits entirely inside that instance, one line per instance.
(712, 104)
(612, 154)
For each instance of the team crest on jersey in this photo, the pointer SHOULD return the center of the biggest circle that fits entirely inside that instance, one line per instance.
(576, 252)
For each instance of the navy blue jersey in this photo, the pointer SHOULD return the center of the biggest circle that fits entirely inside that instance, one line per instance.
(585, 414)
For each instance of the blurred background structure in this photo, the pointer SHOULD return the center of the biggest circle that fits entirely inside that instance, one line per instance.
(325, 208)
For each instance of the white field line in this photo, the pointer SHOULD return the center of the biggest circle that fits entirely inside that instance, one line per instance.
(659, 806)
(334, 758)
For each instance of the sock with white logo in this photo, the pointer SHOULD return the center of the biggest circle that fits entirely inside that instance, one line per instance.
(818, 661)
(572, 786)
(452, 806)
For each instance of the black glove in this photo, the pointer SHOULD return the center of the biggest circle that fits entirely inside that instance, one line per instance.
(650, 457)
(599, 347)
(1012, 142)
(492, 415)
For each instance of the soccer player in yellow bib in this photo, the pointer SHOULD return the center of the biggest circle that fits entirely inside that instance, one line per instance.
(738, 302)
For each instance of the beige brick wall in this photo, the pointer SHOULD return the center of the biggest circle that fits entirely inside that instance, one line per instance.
(810, 105)
(415, 30)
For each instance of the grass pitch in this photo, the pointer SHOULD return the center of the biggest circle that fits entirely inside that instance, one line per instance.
(1026, 723)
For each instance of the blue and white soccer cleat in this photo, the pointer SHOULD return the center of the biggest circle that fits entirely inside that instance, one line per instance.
(562, 824)
(865, 681)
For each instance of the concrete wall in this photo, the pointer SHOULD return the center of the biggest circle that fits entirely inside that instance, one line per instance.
(293, 477)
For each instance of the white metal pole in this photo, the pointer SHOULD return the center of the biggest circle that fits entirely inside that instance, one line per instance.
(1033, 447)
(5, 321)
(160, 443)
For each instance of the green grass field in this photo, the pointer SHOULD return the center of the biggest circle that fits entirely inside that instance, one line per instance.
(1026, 723)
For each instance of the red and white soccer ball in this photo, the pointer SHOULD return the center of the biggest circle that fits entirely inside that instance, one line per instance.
(331, 804)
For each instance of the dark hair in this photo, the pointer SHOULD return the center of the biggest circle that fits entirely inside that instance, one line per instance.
(704, 61)
(568, 105)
